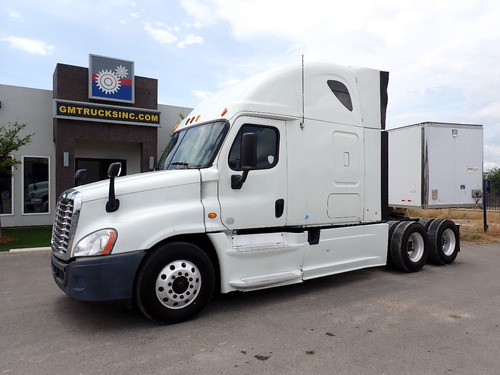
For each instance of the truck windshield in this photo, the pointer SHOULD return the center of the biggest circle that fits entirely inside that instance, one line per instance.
(194, 147)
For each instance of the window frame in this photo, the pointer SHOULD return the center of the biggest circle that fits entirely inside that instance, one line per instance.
(12, 192)
(48, 212)
(277, 149)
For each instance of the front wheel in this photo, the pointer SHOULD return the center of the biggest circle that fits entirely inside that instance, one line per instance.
(174, 283)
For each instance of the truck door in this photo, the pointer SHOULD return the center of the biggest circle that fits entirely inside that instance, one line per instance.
(262, 200)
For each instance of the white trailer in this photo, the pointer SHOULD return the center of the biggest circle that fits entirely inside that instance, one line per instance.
(436, 165)
(278, 180)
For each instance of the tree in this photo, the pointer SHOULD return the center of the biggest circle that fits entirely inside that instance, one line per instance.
(10, 141)
(492, 174)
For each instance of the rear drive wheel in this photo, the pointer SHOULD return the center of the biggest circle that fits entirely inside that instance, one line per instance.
(174, 283)
(426, 222)
(409, 246)
(392, 225)
(444, 241)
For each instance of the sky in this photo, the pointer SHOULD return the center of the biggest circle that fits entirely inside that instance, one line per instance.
(443, 56)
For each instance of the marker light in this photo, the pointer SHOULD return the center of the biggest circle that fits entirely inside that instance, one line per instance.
(224, 112)
(175, 127)
(197, 118)
(212, 215)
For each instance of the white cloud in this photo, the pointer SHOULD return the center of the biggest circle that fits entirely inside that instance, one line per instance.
(201, 94)
(13, 14)
(36, 47)
(192, 25)
(161, 33)
(190, 39)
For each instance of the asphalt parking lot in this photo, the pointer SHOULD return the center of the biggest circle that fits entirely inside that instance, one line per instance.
(441, 320)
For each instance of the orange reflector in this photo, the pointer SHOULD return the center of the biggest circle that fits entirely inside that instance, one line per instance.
(197, 118)
(111, 242)
(224, 112)
(212, 215)
(175, 127)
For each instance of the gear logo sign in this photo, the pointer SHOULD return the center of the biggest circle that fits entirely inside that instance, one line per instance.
(108, 82)
(111, 79)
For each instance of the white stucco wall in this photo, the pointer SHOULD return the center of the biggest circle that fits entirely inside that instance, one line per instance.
(33, 107)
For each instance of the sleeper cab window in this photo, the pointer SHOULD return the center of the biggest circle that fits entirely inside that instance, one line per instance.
(341, 92)
(267, 147)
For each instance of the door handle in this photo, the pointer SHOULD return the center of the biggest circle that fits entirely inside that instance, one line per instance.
(279, 207)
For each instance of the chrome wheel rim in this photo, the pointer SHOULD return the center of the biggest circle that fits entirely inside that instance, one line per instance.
(416, 247)
(178, 284)
(448, 242)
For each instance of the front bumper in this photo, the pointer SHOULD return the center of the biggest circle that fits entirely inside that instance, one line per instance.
(106, 278)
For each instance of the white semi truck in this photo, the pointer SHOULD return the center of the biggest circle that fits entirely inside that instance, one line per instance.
(280, 179)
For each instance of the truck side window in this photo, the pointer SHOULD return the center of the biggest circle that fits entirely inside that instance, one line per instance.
(267, 147)
(341, 92)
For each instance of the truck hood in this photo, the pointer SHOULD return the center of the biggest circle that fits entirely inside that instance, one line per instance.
(138, 183)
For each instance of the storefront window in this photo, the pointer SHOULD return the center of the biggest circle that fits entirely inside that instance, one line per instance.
(5, 194)
(36, 184)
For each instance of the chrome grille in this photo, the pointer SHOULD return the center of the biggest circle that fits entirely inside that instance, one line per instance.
(65, 222)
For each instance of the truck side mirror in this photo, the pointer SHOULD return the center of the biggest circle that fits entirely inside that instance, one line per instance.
(114, 170)
(80, 176)
(248, 152)
(248, 159)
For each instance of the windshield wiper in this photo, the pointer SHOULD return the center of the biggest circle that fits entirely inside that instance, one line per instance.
(184, 164)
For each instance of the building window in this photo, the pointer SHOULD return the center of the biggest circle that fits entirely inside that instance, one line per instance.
(36, 184)
(6, 194)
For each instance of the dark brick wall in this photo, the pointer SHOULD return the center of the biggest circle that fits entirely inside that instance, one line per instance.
(71, 83)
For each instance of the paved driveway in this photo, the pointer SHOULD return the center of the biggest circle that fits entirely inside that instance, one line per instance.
(443, 320)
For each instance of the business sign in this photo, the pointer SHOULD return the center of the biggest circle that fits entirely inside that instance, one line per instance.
(107, 113)
(111, 79)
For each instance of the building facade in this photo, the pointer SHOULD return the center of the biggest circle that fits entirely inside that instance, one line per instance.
(86, 122)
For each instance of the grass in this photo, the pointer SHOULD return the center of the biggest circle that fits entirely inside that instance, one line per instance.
(18, 238)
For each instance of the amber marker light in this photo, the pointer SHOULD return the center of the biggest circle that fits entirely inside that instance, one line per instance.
(111, 242)
(212, 215)
(175, 127)
(224, 112)
(197, 118)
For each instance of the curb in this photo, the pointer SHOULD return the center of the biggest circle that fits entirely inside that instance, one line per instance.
(29, 250)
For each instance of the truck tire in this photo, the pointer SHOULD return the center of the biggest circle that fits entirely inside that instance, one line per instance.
(392, 225)
(444, 241)
(174, 283)
(426, 222)
(409, 246)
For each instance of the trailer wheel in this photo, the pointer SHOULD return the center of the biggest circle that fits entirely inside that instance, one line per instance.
(444, 241)
(174, 283)
(409, 246)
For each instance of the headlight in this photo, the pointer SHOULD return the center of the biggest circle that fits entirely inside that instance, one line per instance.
(97, 243)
